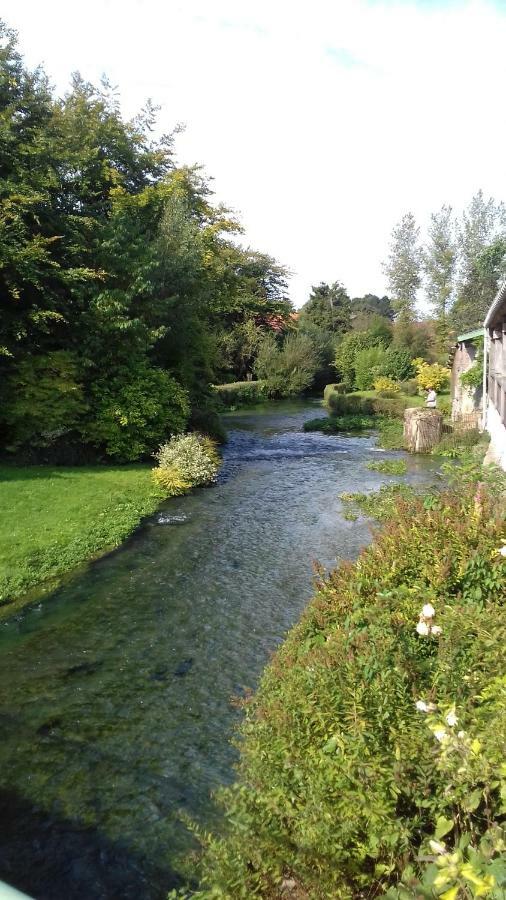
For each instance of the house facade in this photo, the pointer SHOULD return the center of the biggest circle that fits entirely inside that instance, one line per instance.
(466, 402)
(494, 382)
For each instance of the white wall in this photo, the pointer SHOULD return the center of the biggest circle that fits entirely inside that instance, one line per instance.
(497, 432)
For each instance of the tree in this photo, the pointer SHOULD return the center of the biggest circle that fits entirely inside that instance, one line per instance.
(329, 307)
(118, 274)
(478, 290)
(403, 268)
(289, 369)
(483, 222)
(373, 305)
(440, 260)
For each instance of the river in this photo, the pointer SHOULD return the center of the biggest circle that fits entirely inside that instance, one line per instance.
(115, 691)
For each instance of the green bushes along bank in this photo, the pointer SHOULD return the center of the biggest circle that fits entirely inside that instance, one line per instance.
(372, 756)
(241, 393)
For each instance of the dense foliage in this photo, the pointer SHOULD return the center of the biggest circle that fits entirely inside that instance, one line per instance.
(372, 754)
(122, 291)
(186, 461)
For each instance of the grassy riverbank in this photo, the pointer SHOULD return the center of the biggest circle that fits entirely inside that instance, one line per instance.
(54, 518)
(372, 754)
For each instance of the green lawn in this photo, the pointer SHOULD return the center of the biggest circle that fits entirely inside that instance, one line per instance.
(55, 518)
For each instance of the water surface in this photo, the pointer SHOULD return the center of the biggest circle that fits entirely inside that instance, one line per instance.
(115, 692)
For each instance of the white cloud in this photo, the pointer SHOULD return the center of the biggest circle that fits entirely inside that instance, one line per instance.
(321, 123)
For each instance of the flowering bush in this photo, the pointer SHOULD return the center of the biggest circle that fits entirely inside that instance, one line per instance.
(431, 376)
(170, 480)
(185, 461)
(384, 383)
(341, 784)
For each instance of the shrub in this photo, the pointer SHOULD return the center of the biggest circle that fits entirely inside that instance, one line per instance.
(391, 434)
(170, 480)
(392, 407)
(380, 723)
(135, 410)
(457, 443)
(410, 387)
(241, 392)
(346, 404)
(336, 424)
(333, 389)
(434, 375)
(397, 363)
(385, 383)
(368, 366)
(352, 343)
(208, 421)
(45, 400)
(189, 455)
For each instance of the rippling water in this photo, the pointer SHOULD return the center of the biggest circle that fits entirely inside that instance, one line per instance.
(115, 692)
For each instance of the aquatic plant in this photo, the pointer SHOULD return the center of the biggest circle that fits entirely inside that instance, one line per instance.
(388, 466)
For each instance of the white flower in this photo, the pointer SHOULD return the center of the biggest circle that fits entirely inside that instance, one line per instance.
(451, 718)
(422, 628)
(437, 847)
(461, 734)
(502, 550)
(436, 629)
(428, 611)
(421, 706)
(440, 734)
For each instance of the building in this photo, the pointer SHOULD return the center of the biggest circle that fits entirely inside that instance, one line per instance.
(466, 401)
(494, 381)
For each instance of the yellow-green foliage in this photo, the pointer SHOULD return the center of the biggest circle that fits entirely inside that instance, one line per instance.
(170, 480)
(210, 448)
(187, 460)
(380, 724)
(385, 383)
(431, 376)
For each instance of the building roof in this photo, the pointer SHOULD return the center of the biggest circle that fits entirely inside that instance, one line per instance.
(497, 306)
(470, 335)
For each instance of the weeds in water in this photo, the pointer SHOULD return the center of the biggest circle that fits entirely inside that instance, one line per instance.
(388, 466)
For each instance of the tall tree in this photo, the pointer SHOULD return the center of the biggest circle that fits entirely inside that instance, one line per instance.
(403, 268)
(329, 307)
(481, 237)
(440, 261)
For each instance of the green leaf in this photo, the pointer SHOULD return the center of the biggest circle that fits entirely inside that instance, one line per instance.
(443, 826)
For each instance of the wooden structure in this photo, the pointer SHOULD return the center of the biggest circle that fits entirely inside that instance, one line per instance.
(494, 381)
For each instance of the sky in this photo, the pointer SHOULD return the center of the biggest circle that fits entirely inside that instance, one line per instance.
(321, 123)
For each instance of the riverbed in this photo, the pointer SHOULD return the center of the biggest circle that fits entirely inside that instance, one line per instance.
(115, 692)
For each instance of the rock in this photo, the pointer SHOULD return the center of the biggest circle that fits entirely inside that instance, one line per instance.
(288, 885)
(422, 429)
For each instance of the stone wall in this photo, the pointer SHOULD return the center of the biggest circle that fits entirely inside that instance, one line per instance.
(465, 402)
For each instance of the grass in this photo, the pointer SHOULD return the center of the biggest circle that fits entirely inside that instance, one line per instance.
(55, 518)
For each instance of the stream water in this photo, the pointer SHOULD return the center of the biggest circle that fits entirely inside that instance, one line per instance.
(115, 692)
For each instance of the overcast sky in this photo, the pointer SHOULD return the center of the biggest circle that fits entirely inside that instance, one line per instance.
(321, 122)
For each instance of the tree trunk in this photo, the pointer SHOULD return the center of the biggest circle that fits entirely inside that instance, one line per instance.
(422, 429)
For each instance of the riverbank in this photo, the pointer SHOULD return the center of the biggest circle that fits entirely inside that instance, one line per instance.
(372, 753)
(56, 518)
